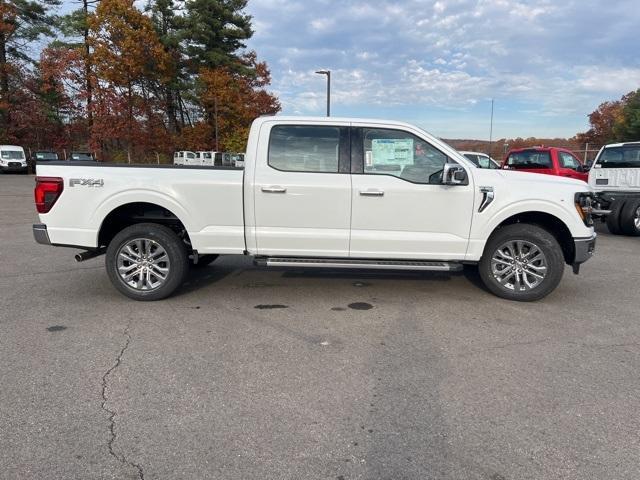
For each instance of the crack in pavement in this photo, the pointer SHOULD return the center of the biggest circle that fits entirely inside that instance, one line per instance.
(112, 414)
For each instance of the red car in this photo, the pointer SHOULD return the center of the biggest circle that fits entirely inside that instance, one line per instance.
(548, 160)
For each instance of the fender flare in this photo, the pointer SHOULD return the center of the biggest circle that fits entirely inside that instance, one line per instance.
(139, 196)
(525, 207)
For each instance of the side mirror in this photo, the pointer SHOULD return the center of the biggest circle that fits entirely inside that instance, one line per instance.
(580, 169)
(454, 174)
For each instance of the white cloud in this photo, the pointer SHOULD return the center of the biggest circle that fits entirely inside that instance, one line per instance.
(561, 58)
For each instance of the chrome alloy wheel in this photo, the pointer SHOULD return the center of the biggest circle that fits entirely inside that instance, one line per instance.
(636, 218)
(519, 265)
(143, 264)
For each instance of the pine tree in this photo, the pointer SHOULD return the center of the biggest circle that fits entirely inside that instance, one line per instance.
(21, 22)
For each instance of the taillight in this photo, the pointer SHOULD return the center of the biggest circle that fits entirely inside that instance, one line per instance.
(47, 191)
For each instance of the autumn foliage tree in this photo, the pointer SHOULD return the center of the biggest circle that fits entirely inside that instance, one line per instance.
(231, 101)
(129, 84)
(131, 64)
(614, 121)
(21, 23)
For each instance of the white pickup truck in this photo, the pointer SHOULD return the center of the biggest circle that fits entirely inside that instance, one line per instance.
(321, 192)
(615, 177)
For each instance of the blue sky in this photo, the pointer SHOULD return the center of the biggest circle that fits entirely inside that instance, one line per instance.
(437, 64)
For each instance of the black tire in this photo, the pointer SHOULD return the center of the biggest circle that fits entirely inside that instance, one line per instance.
(533, 235)
(165, 238)
(204, 260)
(629, 216)
(613, 219)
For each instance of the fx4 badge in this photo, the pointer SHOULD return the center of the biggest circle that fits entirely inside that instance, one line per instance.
(86, 182)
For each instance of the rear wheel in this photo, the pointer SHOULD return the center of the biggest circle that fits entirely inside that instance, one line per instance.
(630, 218)
(146, 261)
(613, 219)
(522, 262)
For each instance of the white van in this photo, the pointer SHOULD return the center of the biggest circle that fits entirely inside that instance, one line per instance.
(207, 158)
(184, 157)
(12, 159)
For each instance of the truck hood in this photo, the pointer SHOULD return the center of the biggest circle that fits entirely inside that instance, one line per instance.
(538, 181)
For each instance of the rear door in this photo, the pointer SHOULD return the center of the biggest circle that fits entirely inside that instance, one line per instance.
(400, 208)
(302, 190)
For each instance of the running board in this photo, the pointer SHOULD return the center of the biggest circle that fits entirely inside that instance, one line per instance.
(355, 263)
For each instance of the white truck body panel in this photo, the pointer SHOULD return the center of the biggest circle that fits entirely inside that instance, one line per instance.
(231, 211)
(625, 179)
(208, 202)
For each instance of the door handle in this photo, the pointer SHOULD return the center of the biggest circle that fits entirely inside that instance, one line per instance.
(372, 193)
(274, 189)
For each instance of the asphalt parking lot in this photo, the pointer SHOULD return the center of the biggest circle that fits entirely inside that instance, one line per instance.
(251, 373)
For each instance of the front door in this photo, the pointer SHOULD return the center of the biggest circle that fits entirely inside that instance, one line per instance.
(568, 166)
(400, 208)
(303, 191)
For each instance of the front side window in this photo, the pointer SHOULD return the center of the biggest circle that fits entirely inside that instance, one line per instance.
(81, 156)
(529, 159)
(620, 157)
(308, 148)
(568, 161)
(403, 155)
(12, 155)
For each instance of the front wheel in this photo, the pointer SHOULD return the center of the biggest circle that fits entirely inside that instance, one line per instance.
(630, 218)
(146, 261)
(522, 262)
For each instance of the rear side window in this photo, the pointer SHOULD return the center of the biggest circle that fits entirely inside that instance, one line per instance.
(620, 157)
(529, 159)
(304, 148)
(568, 161)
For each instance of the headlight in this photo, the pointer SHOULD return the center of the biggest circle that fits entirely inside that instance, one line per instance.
(584, 207)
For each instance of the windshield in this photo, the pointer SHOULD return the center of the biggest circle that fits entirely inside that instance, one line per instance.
(529, 159)
(481, 161)
(81, 156)
(46, 156)
(12, 155)
(627, 156)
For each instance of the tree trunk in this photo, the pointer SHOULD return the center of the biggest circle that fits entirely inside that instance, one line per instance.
(130, 119)
(172, 118)
(87, 66)
(4, 87)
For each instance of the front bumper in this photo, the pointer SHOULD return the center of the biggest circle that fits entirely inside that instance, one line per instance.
(14, 168)
(40, 234)
(584, 249)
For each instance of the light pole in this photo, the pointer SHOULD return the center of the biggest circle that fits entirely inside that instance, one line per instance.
(491, 129)
(328, 74)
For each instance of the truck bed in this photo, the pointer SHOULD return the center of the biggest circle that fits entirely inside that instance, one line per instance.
(206, 200)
